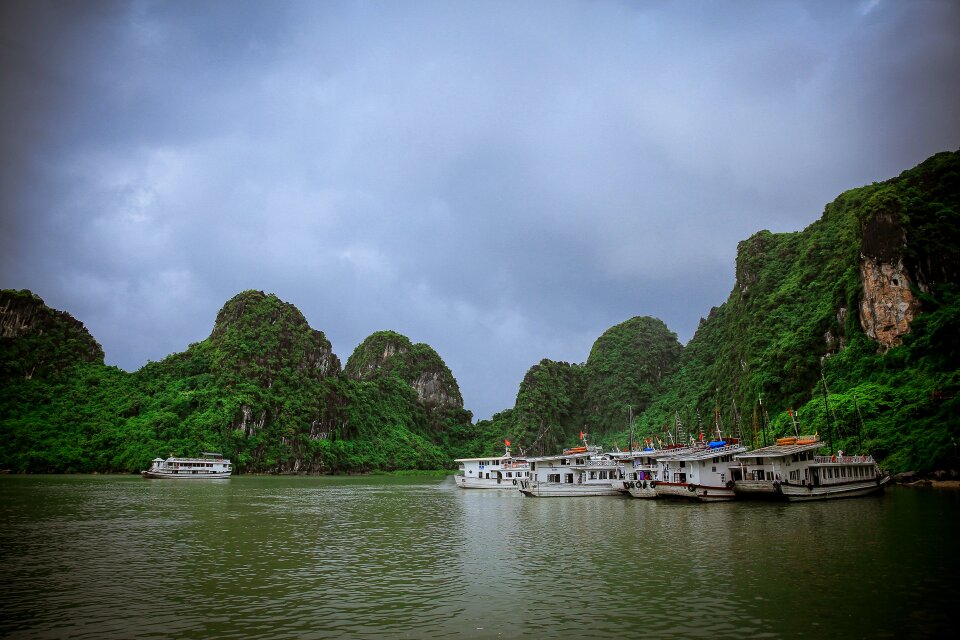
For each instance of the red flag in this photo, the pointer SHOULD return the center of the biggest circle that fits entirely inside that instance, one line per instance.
(581, 435)
(790, 411)
(506, 442)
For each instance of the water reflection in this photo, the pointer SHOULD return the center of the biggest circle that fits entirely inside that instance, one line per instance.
(102, 557)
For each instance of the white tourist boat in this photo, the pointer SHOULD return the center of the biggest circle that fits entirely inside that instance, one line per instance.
(638, 472)
(837, 476)
(491, 472)
(580, 471)
(698, 473)
(208, 466)
(761, 472)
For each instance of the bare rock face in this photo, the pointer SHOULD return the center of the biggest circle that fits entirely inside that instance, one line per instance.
(888, 306)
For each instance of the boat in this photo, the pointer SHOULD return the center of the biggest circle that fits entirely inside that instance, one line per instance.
(498, 472)
(837, 476)
(699, 472)
(572, 473)
(638, 471)
(761, 472)
(207, 467)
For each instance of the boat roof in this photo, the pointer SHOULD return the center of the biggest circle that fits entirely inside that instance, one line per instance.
(580, 454)
(490, 458)
(702, 453)
(777, 450)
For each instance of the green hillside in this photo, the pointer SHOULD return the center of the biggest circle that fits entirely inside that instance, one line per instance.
(264, 388)
(807, 313)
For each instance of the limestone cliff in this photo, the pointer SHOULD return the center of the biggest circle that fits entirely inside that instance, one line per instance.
(260, 334)
(390, 353)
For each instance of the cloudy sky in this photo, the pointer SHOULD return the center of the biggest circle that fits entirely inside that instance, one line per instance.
(501, 180)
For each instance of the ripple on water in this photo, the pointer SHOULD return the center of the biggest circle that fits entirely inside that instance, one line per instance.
(114, 557)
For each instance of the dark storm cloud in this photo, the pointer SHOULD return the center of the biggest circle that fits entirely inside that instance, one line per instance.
(503, 181)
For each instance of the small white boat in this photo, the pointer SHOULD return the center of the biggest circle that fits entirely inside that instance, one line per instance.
(208, 466)
(491, 472)
(580, 471)
(837, 476)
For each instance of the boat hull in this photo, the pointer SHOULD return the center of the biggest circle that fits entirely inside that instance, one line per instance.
(162, 475)
(485, 483)
(803, 493)
(696, 492)
(641, 489)
(534, 489)
(757, 489)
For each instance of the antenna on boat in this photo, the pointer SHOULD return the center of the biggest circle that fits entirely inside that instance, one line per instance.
(793, 419)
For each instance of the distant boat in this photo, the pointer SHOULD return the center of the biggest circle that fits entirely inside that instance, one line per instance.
(491, 472)
(207, 467)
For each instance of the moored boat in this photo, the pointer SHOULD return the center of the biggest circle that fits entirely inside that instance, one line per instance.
(491, 472)
(837, 476)
(207, 467)
(580, 471)
(698, 473)
(761, 472)
(638, 473)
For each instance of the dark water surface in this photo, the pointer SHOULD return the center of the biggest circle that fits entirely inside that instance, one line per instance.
(416, 557)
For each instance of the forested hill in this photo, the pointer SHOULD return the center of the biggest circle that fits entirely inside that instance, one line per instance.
(265, 388)
(859, 313)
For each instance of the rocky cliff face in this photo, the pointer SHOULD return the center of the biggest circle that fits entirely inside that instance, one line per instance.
(36, 340)
(888, 306)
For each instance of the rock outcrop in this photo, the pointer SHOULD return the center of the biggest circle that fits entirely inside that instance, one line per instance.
(36, 340)
(389, 353)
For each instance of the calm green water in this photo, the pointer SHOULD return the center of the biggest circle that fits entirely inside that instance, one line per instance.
(122, 557)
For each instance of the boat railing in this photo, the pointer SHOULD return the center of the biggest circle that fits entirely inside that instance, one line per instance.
(843, 459)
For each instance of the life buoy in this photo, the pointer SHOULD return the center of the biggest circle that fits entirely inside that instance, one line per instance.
(653, 484)
(691, 488)
(729, 484)
(644, 484)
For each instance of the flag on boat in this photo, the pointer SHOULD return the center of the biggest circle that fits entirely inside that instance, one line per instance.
(506, 442)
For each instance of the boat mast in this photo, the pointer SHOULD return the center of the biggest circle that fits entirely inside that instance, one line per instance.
(826, 410)
(630, 419)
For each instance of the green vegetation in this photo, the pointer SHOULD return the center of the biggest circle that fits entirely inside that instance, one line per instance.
(269, 392)
(264, 388)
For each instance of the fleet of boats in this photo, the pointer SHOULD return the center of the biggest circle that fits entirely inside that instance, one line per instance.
(716, 471)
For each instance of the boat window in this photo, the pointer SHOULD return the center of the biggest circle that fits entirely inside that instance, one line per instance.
(714, 469)
(682, 464)
(569, 478)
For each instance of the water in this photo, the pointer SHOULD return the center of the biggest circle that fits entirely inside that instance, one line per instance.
(416, 557)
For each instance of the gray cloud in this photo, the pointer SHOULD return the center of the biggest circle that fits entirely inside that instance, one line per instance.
(503, 181)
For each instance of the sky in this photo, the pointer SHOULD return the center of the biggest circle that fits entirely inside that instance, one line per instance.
(503, 181)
